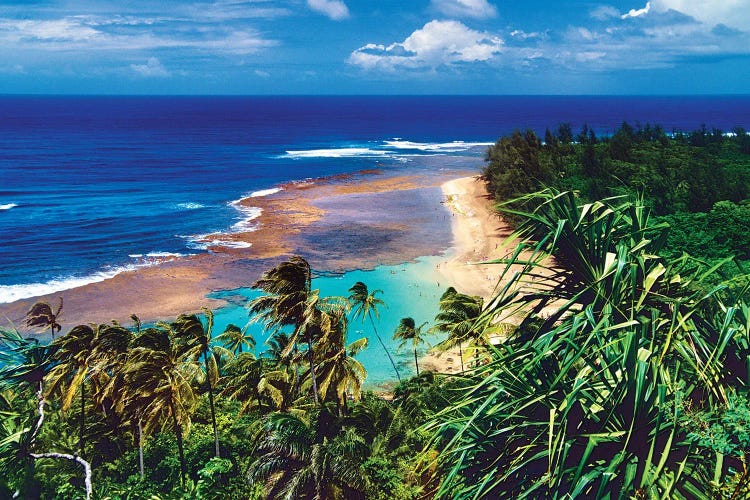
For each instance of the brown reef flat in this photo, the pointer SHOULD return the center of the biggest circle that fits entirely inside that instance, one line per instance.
(352, 221)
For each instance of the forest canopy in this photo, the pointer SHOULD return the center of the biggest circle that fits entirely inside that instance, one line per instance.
(698, 182)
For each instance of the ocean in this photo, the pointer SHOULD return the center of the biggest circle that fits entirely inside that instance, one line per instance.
(93, 186)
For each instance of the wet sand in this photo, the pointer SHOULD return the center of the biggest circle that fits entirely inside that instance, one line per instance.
(353, 221)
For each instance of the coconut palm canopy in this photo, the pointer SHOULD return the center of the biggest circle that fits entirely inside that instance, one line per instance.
(42, 315)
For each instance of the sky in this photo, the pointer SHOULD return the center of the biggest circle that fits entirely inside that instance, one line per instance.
(374, 47)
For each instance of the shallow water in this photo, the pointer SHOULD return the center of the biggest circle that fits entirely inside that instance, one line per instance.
(409, 289)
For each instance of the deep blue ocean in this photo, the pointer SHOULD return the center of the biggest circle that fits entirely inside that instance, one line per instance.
(93, 185)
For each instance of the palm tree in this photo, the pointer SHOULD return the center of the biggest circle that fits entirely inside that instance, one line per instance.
(26, 363)
(41, 315)
(158, 378)
(614, 343)
(365, 305)
(278, 344)
(244, 373)
(408, 332)
(287, 289)
(457, 315)
(191, 329)
(339, 370)
(234, 338)
(108, 358)
(73, 366)
(309, 457)
(258, 383)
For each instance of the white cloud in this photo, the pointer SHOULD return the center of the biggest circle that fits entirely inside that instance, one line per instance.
(66, 29)
(735, 13)
(335, 9)
(436, 44)
(646, 38)
(261, 73)
(478, 9)
(121, 33)
(604, 12)
(152, 69)
(637, 12)
(522, 35)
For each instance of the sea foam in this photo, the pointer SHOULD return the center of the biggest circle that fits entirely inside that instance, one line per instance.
(189, 206)
(264, 192)
(443, 147)
(336, 153)
(249, 214)
(12, 293)
(204, 244)
(8, 206)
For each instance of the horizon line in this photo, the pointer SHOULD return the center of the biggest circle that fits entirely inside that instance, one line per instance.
(47, 94)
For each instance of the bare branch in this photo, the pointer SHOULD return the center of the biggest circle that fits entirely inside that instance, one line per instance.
(64, 456)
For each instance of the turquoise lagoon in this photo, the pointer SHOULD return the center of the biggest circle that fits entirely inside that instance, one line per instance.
(409, 289)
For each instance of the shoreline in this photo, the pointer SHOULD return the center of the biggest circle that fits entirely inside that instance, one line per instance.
(288, 216)
(299, 218)
(478, 236)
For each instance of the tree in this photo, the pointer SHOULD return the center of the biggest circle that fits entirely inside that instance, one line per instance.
(109, 358)
(517, 165)
(287, 289)
(158, 378)
(235, 338)
(244, 375)
(26, 363)
(584, 397)
(41, 315)
(198, 337)
(73, 365)
(409, 333)
(365, 304)
(458, 313)
(565, 133)
(309, 457)
(338, 369)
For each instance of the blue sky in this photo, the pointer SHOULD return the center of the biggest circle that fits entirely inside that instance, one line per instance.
(374, 47)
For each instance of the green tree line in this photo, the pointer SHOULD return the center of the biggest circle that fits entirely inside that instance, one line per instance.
(698, 181)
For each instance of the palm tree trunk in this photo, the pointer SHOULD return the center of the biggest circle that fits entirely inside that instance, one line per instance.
(211, 405)
(385, 349)
(416, 361)
(140, 448)
(296, 371)
(81, 442)
(312, 369)
(461, 355)
(180, 445)
(40, 409)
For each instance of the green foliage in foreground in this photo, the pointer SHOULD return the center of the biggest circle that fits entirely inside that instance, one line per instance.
(623, 375)
(163, 412)
(588, 397)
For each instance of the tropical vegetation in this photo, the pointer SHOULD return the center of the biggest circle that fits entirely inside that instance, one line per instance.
(612, 362)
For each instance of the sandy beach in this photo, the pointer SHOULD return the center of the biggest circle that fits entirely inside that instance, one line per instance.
(478, 234)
